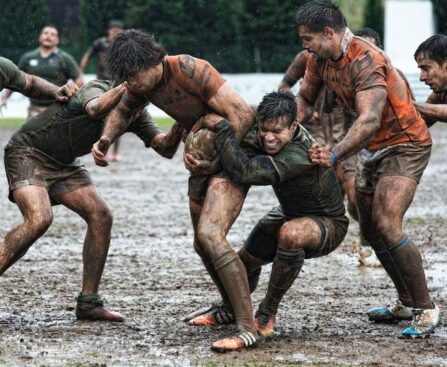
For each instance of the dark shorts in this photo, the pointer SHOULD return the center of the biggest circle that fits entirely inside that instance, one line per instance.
(349, 166)
(333, 231)
(407, 160)
(198, 184)
(29, 166)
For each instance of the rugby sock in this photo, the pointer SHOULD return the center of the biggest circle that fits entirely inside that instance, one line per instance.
(253, 266)
(285, 269)
(214, 276)
(388, 264)
(233, 276)
(408, 260)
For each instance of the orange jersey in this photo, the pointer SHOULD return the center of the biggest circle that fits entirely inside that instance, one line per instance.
(363, 67)
(186, 86)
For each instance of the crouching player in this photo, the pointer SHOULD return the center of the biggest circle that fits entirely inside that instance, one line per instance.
(308, 223)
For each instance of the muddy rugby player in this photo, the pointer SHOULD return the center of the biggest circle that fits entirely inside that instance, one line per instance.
(187, 88)
(43, 170)
(327, 125)
(431, 57)
(396, 148)
(310, 220)
(50, 63)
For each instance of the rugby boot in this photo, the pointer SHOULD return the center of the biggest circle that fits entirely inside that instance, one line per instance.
(265, 324)
(424, 322)
(391, 313)
(214, 315)
(91, 307)
(237, 342)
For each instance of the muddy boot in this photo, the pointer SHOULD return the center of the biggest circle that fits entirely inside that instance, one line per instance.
(91, 307)
(211, 316)
(241, 340)
(265, 323)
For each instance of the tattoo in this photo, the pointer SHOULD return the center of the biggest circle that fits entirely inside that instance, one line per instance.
(205, 76)
(188, 65)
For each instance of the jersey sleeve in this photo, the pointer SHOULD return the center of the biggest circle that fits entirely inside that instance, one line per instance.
(10, 76)
(292, 161)
(370, 71)
(72, 69)
(144, 127)
(90, 91)
(197, 76)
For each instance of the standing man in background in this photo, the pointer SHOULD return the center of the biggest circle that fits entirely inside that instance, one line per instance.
(50, 63)
(98, 49)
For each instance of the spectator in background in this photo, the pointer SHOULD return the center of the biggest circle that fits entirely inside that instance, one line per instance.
(98, 49)
(50, 63)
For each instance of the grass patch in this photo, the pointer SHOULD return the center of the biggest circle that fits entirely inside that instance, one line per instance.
(11, 122)
(163, 122)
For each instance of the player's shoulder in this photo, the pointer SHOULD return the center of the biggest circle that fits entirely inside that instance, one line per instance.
(30, 55)
(97, 84)
(64, 54)
(187, 65)
(364, 54)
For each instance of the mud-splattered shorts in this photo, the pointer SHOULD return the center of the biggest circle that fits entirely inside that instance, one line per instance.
(333, 231)
(29, 166)
(407, 160)
(34, 110)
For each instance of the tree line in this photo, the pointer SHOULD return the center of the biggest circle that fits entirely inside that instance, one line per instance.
(235, 36)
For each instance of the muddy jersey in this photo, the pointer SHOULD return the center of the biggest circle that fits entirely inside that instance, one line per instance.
(302, 188)
(10, 76)
(57, 68)
(186, 86)
(65, 132)
(99, 49)
(363, 67)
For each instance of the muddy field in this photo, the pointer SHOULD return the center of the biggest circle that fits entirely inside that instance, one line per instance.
(154, 278)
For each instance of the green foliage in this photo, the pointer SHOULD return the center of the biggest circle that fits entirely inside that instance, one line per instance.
(440, 10)
(20, 26)
(375, 16)
(235, 36)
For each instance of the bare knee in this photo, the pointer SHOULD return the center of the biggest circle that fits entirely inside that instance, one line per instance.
(289, 237)
(41, 222)
(388, 229)
(101, 216)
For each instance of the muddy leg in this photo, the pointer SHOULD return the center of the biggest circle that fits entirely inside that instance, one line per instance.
(392, 198)
(86, 202)
(369, 231)
(195, 208)
(35, 206)
(222, 205)
(295, 238)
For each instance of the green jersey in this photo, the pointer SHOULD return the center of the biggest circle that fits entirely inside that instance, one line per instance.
(65, 132)
(302, 188)
(57, 68)
(10, 76)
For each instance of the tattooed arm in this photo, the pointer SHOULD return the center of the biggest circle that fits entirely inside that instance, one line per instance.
(369, 106)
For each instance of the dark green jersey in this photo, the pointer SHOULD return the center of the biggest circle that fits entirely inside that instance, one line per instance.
(10, 76)
(57, 68)
(65, 132)
(303, 189)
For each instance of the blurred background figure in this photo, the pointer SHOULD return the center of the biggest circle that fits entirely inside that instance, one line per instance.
(98, 49)
(50, 63)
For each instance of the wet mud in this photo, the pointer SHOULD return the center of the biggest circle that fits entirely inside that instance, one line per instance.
(154, 278)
